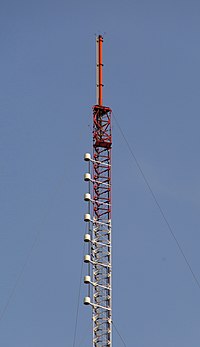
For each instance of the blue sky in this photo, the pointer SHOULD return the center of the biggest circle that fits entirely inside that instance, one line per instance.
(151, 77)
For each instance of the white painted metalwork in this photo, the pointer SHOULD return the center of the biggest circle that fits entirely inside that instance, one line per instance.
(99, 278)
(87, 258)
(87, 197)
(87, 156)
(87, 176)
(87, 300)
(87, 238)
(87, 279)
(87, 217)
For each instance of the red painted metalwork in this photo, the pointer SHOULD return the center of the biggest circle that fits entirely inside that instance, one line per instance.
(99, 58)
(102, 144)
(102, 136)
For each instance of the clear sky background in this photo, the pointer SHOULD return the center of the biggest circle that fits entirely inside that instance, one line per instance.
(47, 83)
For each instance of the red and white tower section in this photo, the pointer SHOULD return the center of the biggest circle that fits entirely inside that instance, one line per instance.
(98, 216)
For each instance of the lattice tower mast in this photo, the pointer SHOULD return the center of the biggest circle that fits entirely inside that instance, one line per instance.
(98, 218)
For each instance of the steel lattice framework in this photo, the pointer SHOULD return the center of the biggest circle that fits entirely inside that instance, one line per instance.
(99, 257)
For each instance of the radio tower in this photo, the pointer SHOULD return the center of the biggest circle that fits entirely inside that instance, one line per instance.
(98, 217)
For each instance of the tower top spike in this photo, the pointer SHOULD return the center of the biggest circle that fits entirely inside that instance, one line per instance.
(99, 70)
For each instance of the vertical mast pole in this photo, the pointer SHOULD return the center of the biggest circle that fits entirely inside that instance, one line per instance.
(99, 70)
(99, 223)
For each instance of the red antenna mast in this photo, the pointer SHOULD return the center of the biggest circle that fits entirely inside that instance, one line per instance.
(98, 218)
(99, 70)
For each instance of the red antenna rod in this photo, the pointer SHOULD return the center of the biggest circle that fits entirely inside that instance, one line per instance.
(99, 70)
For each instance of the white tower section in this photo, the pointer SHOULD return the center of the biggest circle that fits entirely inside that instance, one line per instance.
(98, 257)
